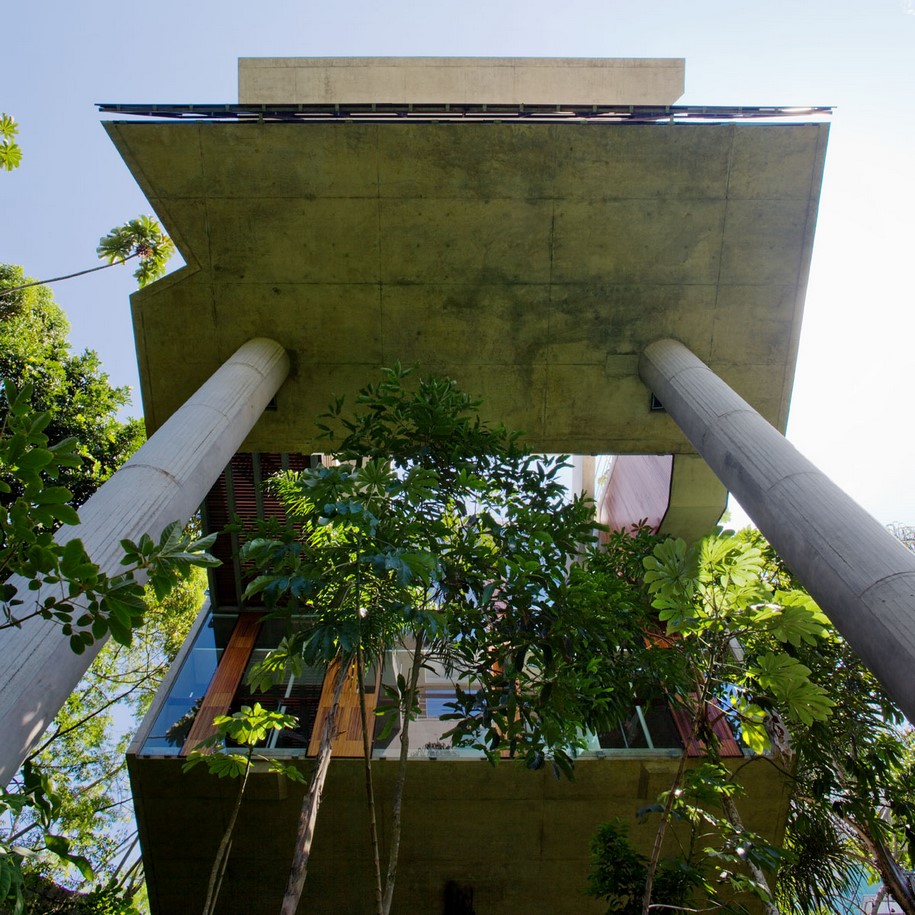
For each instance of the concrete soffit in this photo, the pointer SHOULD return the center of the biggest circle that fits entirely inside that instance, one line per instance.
(532, 262)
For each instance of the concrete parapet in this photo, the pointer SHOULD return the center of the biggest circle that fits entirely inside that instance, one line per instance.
(460, 80)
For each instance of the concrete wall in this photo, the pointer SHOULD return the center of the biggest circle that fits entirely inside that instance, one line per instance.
(460, 80)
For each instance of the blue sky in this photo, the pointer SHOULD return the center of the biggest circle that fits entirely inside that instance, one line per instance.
(852, 408)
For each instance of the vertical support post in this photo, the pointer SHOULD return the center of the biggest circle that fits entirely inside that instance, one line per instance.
(859, 574)
(165, 481)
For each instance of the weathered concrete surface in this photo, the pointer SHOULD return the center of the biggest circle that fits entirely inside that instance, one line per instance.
(676, 495)
(697, 499)
(859, 574)
(165, 481)
(519, 838)
(460, 80)
(531, 262)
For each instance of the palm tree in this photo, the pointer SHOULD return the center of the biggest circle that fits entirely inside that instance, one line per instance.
(140, 238)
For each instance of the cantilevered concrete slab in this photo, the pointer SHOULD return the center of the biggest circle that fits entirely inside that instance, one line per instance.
(532, 262)
(520, 839)
(460, 80)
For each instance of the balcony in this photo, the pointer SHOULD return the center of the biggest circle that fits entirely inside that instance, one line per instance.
(518, 839)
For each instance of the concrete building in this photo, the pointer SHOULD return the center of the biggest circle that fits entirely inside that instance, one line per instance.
(611, 273)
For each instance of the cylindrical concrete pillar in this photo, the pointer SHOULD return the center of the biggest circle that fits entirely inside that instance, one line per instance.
(859, 574)
(165, 481)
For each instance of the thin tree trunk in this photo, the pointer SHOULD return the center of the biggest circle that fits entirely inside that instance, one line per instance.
(125, 857)
(894, 879)
(731, 812)
(222, 853)
(659, 835)
(136, 877)
(401, 777)
(312, 801)
(701, 705)
(222, 873)
(68, 276)
(61, 732)
(369, 786)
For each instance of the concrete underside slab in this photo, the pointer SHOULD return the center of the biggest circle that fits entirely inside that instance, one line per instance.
(519, 838)
(531, 262)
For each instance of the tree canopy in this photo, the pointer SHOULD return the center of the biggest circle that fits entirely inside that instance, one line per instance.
(60, 437)
(755, 645)
(71, 388)
(10, 150)
(429, 526)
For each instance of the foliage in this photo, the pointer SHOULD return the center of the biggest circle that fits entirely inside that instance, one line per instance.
(109, 899)
(90, 604)
(429, 528)
(735, 631)
(756, 644)
(433, 524)
(710, 868)
(87, 603)
(716, 595)
(10, 151)
(36, 795)
(71, 388)
(80, 762)
(43, 897)
(142, 238)
(83, 754)
(249, 727)
(852, 806)
(618, 873)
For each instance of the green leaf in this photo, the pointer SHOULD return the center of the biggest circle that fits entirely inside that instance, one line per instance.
(10, 155)
(141, 238)
(7, 870)
(60, 846)
(795, 619)
(789, 681)
(53, 495)
(8, 128)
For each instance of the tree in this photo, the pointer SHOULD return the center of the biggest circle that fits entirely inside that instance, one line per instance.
(71, 388)
(60, 438)
(789, 683)
(83, 755)
(247, 727)
(89, 605)
(737, 632)
(10, 151)
(853, 807)
(432, 526)
(140, 238)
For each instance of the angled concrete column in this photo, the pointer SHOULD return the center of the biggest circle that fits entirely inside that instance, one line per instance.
(860, 575)
(165, 481)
